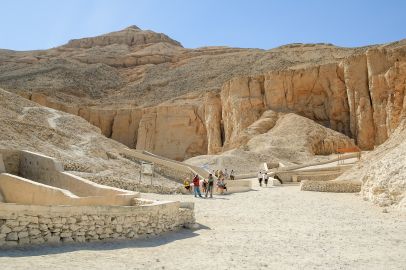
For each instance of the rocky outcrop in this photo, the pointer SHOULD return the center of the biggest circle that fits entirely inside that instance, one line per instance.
(176, 131)
(242, 104)
(383, 171)
(70, 139)
(173, 131)
(296, 138)
(131, 36)
(362, 96)
(145, 90)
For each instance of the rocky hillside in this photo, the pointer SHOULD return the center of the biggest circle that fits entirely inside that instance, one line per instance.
(216, 105)
(136, 85)
(276, 137)
(145, 90)
(81, 147)
(383, 171)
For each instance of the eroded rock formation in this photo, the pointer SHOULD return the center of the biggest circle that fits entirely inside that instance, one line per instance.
(362, 96)
(146, 91)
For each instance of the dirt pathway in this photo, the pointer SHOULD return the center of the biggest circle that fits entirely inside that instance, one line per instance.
(270, 228)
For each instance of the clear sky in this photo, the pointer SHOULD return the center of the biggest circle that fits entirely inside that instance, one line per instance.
(41, 24)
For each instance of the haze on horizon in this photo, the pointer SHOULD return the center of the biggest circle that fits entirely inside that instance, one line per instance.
(42, 24)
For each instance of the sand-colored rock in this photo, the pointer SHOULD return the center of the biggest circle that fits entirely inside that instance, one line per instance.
(145, 90)
(276, 138)
(242, 104)
(125, 126)
(80, 146)
(213, 123)
(172, 131)
(131, 36)
(361, 97)
(383, 171)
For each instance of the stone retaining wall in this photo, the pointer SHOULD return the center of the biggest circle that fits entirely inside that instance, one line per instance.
(175, 175)
(25, 225)
(134, 186)
(331, 186)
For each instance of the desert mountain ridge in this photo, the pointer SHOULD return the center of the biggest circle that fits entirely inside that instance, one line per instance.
(146, 91)
(142, 76)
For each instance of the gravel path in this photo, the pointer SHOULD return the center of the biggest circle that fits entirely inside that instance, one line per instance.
(270, 228)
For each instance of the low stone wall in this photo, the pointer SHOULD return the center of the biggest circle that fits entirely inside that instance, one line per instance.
(319, 177)
(133, 186)
(234, 186)
(297, 176)
(331, 186)
(175, 175)
(25, 225)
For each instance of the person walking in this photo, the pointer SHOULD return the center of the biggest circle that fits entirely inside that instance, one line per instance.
(210, 184)
(204, 186)
(196, 186)
(260, 178)
(232, 175)
(266, 177)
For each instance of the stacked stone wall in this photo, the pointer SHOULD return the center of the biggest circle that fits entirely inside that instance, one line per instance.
(30, 225)
(331, 186)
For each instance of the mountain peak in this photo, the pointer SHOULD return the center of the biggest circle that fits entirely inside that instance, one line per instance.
(131, 36)
(132, 27)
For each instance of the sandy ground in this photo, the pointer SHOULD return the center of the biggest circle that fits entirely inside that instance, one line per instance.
(269, 228)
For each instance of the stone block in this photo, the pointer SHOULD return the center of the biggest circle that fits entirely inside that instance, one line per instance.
(12, 236)
(24, 241)
(119, 228)
(5, 229)
(80, 239)
(19, 228)
(44, 220)
(11, 243)
(22, 234)
(67, 239)
(66, 234)
(71, 220)
(43, 227)
(130, 234)
(37, 241)
(52, 238)
(12, 223)
(34, 232)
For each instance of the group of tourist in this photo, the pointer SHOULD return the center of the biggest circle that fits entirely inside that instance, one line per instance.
(224, 174)
(206, 184)
(263, 176)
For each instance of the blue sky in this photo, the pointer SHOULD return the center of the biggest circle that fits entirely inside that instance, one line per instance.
(41, 24)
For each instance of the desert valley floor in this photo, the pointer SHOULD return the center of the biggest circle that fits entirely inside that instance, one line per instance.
(267, 228)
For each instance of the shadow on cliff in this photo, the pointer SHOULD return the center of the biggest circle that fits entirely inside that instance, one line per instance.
(155, 241)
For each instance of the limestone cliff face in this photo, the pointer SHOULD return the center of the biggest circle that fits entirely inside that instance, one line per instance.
(171, 130)
(362, 96)
(213, 124)
(146, 91)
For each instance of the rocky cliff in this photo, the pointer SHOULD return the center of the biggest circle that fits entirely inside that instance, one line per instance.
(78, 145)
(146, 91)
(362, 96)
(383, 171)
